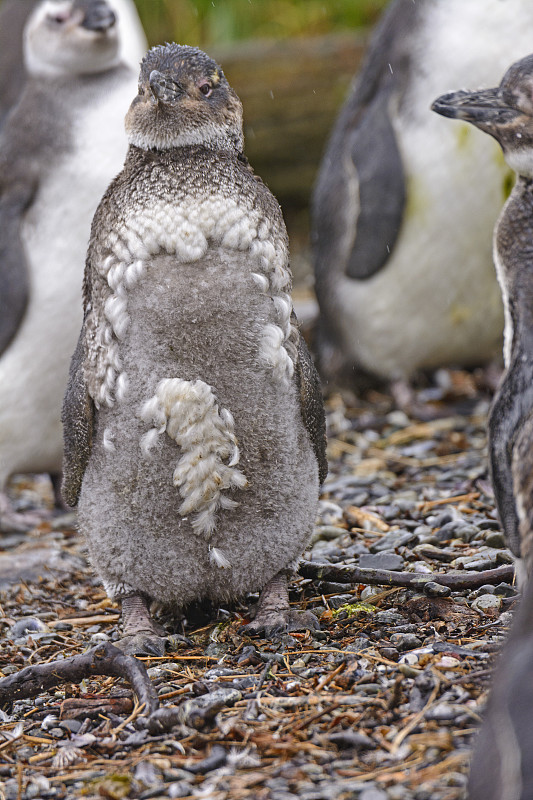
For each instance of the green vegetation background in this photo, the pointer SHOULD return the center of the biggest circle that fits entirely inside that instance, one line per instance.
(213, 22)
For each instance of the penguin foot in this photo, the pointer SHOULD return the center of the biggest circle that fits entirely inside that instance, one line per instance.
(271, 624)
(273, 615)
(143, 636)
(143, 643)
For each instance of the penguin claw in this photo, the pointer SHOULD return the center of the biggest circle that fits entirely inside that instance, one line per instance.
(142, 643)
(272, 624)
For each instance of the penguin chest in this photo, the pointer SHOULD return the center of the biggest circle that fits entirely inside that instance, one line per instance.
(205, 447)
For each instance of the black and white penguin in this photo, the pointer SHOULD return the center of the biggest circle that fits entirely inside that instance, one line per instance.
(403, 207)
(194, 426)
(59, 149)
(502, 768)
(13, 17)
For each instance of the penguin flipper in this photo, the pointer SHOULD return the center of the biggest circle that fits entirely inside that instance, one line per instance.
(14, 273)
(312, 406)
(511, 406)
(78, 423)
(381, 188)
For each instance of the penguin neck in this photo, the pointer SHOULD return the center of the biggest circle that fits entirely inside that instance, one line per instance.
(188, 153)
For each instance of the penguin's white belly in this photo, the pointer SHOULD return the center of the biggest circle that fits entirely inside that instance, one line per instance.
(437, 300)
(34, 369)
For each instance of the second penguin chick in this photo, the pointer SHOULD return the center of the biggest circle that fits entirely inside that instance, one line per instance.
(506, 113)
(194, 426)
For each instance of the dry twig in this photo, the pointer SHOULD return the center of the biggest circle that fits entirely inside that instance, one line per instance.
(102, 660)
(411, 580)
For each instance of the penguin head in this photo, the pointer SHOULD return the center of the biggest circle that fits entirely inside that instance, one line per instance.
(506, 113)
(63, 38)
(184, 99)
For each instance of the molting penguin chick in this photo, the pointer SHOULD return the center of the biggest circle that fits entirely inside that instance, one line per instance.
(502, 766)
(403, 207)
(59, 149)
(194, 426)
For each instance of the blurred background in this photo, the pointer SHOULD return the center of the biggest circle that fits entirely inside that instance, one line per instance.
(291, 63)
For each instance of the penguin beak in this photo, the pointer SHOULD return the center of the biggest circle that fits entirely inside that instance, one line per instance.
(164, 90)
(485, 109)
(97, 15)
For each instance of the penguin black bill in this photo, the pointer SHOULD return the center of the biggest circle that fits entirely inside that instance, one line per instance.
(98, 16)
(164, 89)
(485, 108)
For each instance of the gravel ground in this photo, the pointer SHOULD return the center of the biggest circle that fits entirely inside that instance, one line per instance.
(381, 704)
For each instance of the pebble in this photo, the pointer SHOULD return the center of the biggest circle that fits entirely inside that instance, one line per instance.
(381, 560)
(495, 539)
(433, 589)
(405, 641)
(63, 626)
(370, 591)
(441, 712)
(57, 733)
(179, 789)
(352, 739)
(388, 618)
(27, 625)
(72, 725)
(447, 662)
(329, 513)
(505, 590)
(392, 540)
(339, 600)
(487, 602)
(373, 793)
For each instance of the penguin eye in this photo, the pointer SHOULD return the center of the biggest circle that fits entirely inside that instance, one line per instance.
(206, 89)
(58, 19)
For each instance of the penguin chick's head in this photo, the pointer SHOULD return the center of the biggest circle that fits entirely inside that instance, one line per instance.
(506, 113)
(65, 38)
(184, 99)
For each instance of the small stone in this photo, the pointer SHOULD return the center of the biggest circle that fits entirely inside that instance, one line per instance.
(405, 641)
(434, 589)
(25, 626)
(486, 589)
(37, 787)
(359, 644)
(389, 652)
(446, 532)
(72, 725)
(99, 637)
(179, 789)
(329, 513)
(442, 711)
(57, 733)
(495, 539)
(352, 739)
(389, 561)
(391, 541)
(409, 658)
(487, 602)
(447, 662)
(63, 626)
(505, 590)
(370, 591)
(465, 532)
(388, 618)
(339, 600)
(373, 793)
